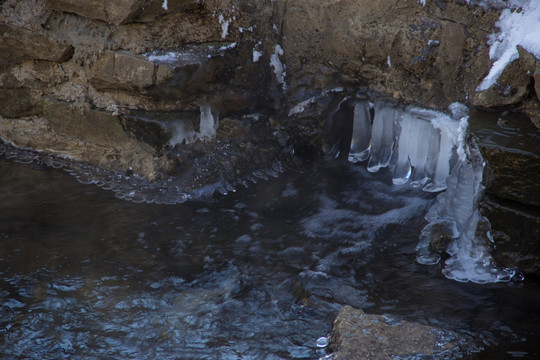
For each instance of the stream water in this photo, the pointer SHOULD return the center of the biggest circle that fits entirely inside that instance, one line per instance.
(257, 274)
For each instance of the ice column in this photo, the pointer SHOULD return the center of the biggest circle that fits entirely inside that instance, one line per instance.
(361, 133)
(455, 215)
(182, 131)
(208, 124)
(382, 136)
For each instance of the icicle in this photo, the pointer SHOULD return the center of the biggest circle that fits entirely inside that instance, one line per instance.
(382, 136)
(360, 143)
(402, 170)
(208, 123)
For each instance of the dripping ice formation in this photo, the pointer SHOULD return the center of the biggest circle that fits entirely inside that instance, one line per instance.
(428, 149)
(184, 131)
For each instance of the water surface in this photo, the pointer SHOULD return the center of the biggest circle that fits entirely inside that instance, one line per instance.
(258, 274)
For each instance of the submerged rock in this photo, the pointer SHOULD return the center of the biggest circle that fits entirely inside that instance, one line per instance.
(359, 336)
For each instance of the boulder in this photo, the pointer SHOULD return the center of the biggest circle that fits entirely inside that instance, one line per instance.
(18, 44)
(358, 336)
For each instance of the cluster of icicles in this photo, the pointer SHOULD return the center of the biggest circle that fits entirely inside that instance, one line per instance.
(430, 149)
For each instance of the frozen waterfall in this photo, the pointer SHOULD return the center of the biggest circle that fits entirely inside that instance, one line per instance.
(428, 149)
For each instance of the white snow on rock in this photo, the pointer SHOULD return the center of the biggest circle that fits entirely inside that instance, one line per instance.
(279, 68)
(256, 55)
(224, 25)
(165, 5)
(519, 25)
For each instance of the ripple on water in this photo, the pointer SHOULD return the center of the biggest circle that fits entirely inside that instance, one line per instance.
(259, 274)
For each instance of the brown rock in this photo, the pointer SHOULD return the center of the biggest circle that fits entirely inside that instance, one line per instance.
(18, 44)
(432, 55)
(359, 336)
(537, 83)
(511, 88)
(516, 232)
(17, 102)
(450, 56)
(122, 71)
(114, 12)
(509, 146)
(97, 126)
(155, 8)
(514, 174)
(122, 11)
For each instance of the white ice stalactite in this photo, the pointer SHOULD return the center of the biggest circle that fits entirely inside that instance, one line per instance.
(431, 150)
(382, 135)
(361, 136)
(208, 123)
(183, 130)
(456, 216)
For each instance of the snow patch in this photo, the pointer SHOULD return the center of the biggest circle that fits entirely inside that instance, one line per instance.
(279, 68)
(224, 25)
(165, 5)
(256, 55)
(301, 106)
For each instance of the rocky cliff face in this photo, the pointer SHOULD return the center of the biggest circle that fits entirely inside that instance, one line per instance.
(209, 94)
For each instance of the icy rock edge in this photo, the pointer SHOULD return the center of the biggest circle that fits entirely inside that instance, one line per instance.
(431, 149)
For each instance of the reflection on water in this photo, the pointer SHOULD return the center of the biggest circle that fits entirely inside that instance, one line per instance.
(259, 274)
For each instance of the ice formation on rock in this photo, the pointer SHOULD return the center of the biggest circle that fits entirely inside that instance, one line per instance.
(419, 146)
(360, 143)
(517, 28)
(429, 149)
(382, 135)
(183, 131)
(279, 68)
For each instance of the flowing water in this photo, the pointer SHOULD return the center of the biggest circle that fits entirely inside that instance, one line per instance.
(257, 274)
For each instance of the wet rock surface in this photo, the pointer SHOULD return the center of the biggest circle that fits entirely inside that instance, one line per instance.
(356, 335)
(510, 146)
